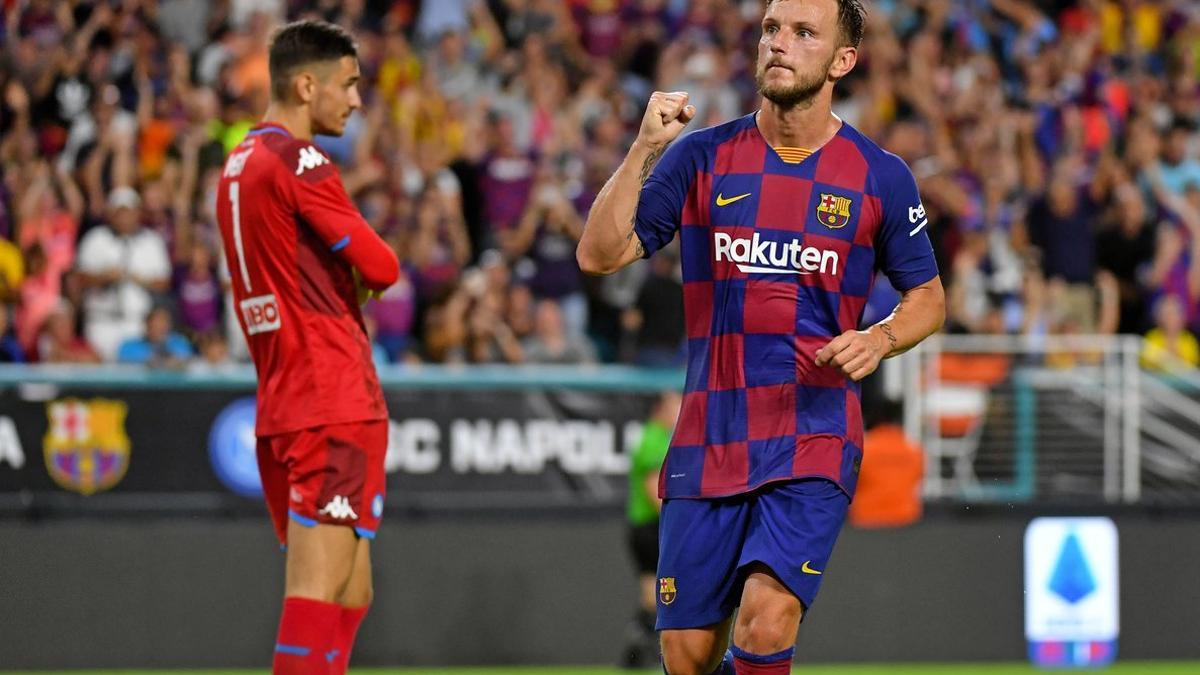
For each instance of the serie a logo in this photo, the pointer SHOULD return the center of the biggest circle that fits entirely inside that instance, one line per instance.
(666, 590)
(86, 447)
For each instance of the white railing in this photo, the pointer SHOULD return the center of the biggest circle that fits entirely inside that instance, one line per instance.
(1056, 419)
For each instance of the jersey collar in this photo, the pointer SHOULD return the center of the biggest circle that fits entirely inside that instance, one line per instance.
(268, 128)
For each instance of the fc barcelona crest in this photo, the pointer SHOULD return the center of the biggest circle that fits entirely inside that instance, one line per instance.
(86, 448)
(833, 211)
(666, 590)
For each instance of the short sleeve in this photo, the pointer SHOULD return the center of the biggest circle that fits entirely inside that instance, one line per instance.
(660, 205)
(903, 250)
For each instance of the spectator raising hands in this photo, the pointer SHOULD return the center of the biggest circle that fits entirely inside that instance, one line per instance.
(1056, 140)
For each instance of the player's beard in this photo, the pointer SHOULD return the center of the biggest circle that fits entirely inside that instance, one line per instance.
(800, 94)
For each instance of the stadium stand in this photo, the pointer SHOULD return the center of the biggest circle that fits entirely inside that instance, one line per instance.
(1054, 143)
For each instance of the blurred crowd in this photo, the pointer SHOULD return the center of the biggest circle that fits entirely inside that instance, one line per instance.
(1054, 143)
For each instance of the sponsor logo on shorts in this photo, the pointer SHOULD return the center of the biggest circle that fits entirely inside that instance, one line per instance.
(666, 590)
(338, 508)
(296, 496)
(807, 568)
(377, 505)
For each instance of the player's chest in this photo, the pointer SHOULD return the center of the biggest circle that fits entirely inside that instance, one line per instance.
(789, 203)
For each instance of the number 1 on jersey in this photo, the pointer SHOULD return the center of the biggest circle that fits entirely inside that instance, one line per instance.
(236, 206)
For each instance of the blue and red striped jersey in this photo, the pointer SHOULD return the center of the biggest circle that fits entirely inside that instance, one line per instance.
(778, 258)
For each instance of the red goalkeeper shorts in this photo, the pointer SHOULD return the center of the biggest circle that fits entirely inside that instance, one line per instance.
(330, 474)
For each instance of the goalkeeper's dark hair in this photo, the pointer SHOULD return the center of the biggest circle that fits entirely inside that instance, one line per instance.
(852, 21)
(301, 43)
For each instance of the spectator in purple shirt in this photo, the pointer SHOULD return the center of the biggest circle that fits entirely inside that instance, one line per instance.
(198, 291)
(506, 177)
(546, 236)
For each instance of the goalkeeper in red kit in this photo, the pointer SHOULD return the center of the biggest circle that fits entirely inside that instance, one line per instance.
(300, 256)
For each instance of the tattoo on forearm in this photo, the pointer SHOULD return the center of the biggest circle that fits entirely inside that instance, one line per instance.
(647, 165)
(891, 336)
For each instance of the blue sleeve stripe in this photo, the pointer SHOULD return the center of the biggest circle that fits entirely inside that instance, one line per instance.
(365, 533)
(295, 650)
(307, 522)
(341, 244)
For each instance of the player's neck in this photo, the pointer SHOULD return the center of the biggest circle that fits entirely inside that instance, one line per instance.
(797, 127)
(295, 120)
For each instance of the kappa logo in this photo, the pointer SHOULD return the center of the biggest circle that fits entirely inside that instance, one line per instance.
(310, 158)
(338, 508)
(666, 590)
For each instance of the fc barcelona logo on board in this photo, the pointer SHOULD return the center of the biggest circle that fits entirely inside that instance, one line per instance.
(86, 448)
(833, 211)
(666, 590)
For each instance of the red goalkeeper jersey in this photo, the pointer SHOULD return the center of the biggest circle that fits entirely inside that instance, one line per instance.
(293, 240)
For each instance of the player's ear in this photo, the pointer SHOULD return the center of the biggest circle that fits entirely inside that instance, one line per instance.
(306, 86)
(843, 62)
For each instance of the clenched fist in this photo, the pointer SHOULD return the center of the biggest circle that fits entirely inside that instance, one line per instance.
(856, 353)
(666, 116)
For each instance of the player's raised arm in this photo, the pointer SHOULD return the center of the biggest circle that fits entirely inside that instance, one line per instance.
(323, 203)
(609, 241)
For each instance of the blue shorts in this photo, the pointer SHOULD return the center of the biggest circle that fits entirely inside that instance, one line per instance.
(705, 546)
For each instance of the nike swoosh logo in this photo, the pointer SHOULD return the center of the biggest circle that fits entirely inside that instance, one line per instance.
(721, 201)
(808, 570)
